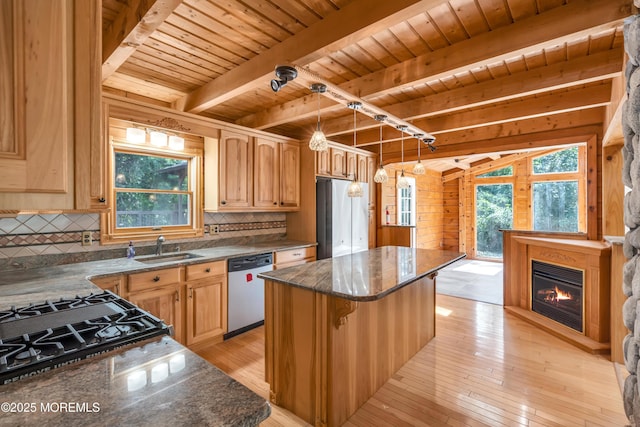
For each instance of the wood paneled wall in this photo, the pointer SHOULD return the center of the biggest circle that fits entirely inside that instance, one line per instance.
(429, 205)
(450, 213)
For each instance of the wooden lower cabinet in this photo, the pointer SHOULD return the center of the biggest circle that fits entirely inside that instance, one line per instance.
(291, 257)
(206, 309)
(110, 283)
(164, 303)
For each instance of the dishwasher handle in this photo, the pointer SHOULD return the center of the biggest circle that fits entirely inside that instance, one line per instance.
(249, 262)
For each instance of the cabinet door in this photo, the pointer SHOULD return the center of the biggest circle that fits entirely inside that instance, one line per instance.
(352, 167)
(36, 100)
(323, 163)
(289, 175)
(371, 172)
(372, 228)
(165, 304)
(236, 170)
(338, 166)
(363, 175)
(266, 187)
(206, 309)
(111, 283)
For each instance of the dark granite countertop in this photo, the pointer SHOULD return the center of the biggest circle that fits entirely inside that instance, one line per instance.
(367, 275)
(196, 394)
(158, 382)
(22, 287)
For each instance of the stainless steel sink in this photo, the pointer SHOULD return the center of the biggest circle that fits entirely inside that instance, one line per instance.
(167, 258)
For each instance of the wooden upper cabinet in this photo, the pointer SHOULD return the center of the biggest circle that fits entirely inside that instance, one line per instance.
(323, 163)
(236, 172)
(49, 114)
(372, 167)
(338, 162)
(277, 174)
(361, 160)
(289, 175)
(266, 190)
(351, 165)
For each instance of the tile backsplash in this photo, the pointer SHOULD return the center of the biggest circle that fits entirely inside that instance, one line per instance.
(58, 234)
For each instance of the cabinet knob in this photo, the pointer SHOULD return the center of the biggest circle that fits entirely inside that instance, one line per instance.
(281, 203)
(275, 203)
(207, 270)
(102, 200)
(223, 202)
(156, 279)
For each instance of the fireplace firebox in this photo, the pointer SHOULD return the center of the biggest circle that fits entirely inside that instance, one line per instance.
(557, 293)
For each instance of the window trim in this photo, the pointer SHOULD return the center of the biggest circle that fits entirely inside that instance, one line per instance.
(193, 153)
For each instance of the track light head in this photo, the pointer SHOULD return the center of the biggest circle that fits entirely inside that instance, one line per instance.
(284, 74)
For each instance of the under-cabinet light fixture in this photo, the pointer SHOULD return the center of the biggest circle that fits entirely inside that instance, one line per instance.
(136, 135)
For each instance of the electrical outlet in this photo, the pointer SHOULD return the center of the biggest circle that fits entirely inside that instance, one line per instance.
(87, 239)
(215, 229)
(206, 229)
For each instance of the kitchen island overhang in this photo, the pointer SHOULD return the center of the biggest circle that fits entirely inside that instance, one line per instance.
(337, 329)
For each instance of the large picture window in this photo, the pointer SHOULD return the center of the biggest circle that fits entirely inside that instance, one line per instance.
(556, 191)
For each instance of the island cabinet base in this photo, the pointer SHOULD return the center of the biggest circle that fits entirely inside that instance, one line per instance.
(325, 356)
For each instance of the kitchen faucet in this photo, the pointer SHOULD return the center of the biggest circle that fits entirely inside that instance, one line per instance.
(159, 243)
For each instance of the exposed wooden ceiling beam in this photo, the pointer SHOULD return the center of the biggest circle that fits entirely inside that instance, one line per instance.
(542, 105)
(356, 20)
(545, 30)
(513, 136)
(137, 20)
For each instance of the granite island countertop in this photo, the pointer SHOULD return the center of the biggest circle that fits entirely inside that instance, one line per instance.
(367, 275)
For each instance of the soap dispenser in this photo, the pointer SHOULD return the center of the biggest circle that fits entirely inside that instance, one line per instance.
(131, 252)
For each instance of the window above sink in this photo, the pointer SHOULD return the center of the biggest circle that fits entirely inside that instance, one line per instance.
(154, 189)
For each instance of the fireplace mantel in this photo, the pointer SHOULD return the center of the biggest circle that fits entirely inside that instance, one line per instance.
(567, 250)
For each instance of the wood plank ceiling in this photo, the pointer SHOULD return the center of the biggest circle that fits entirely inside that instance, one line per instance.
(486, 77)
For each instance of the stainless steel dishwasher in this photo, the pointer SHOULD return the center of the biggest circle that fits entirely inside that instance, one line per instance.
(245, 308)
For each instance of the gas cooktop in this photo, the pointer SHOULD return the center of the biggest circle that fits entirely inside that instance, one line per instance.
(40, 337)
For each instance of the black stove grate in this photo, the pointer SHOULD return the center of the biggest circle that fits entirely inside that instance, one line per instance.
(41, 337)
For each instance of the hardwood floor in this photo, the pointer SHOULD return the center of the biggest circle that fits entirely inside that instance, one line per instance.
(484, 368)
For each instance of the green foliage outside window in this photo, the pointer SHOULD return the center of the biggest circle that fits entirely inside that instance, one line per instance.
(494, 211)
(507, 171)
(558, 162)
(555, 206)
(151, 191)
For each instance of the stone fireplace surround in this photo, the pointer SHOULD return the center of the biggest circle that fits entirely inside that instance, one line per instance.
(565, 250)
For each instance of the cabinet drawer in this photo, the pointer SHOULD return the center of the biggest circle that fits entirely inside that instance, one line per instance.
(295, 254)
(207, 269)
(153, 279)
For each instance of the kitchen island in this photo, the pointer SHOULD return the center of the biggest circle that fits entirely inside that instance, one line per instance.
(337, 329)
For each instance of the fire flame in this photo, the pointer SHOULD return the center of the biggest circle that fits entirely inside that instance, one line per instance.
(561, 295)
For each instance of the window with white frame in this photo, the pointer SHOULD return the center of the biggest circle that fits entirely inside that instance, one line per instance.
(407, 203)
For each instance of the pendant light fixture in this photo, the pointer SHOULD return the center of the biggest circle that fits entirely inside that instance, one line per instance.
(355, 189)
(402, 182)
(381, 175)
(318, 141)
(418, 168)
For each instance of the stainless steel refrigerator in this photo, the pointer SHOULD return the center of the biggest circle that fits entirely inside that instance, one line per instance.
(342, 222)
